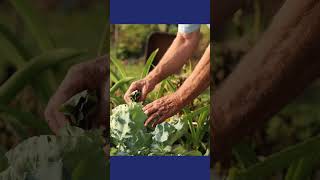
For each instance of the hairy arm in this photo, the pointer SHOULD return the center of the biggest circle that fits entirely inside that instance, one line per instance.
(198, 81)
(176, 56)
(167, 106)
(281, 65)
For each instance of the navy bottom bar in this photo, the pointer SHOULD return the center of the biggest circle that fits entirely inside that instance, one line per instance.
(160, 168)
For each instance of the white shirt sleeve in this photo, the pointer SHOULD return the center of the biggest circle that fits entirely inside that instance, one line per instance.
(188, 28)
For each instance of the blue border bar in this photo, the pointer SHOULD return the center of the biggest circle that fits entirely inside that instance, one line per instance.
(160, 11)
(160, 168)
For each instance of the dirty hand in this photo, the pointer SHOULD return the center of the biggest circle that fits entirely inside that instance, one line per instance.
(163, 108)
(143, 85)
(91, 75)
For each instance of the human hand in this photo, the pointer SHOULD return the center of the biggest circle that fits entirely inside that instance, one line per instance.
(163, 108)
(144, 86)
(91, 75)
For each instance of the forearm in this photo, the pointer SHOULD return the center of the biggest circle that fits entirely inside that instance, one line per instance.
(282, 64)
(176, 56)
(198, 81)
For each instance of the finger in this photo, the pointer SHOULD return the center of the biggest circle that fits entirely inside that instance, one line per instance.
(144, 94)
(69, 86)
(150, 110)
(54, 127)
(151, 118)
(52, 123)
(158, 121)
(61, 121)
(149, 105)
(127, 95)
(126, 98)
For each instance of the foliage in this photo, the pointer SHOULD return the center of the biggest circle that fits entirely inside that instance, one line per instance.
(74, 153)
(58, 157)
(288, 145)
(79, 107)
(130, 137)
(183, 134)
(132, 39)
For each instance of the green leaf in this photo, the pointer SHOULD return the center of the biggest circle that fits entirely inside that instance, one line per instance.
(305, 166)
(291, 170)
(120, 68)
(37, 65)
(27, 119)
(281, 160)
(130, 137)
(127, 130)
(34, 23)
(57, 157)
(121, 83)
(160, 92)
(193, 153)
(169, 132)
(113, 77)
(148, 64)
(15, 53)
(17, 43)
(79, 107)
(38, 29)
(85, 169)
(10, 54)
(245, 155)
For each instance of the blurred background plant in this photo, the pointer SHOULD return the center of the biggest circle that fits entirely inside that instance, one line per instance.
(296, 123)
(39, 41)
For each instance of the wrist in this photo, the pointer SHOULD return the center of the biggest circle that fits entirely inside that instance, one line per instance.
(151, 80)
(180, 98)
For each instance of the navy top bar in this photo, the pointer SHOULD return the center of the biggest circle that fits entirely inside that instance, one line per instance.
(160, 11)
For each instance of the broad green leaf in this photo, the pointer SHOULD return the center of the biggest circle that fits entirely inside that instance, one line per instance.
(130, 137)
(127, 130)
(169, 132)
(57, 157)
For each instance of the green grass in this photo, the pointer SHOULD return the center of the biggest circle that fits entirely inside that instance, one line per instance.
(135, 68)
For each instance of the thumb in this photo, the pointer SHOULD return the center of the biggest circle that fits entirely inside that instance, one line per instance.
(144, 93)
